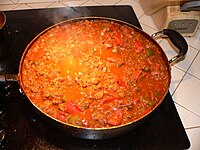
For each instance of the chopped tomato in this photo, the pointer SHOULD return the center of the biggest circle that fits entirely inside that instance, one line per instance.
(109, 99)
(158, 88)
(136, 101)
(138, 46)
(149, 61)
(59, 112)
(122, 83)
(128, 35)
(115, 118)
(73, 108)
(108, 92)
(107, 35)
(118, 39)
(156, 67)
(96, 74)
(137, 74)
(37, 53)
(152, 96)
(86, 117)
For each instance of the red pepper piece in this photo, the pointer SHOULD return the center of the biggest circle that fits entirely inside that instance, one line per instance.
(108, 92)
(122, 83)
(115, 118)
(137, 74)
(118, 39)
(107, 35)
(136, 101)
(156, 67)
(109, 99)
(138, 46)
(86, 117)
(73, 108)
(152, 96)
(158, 88)
(149, 61)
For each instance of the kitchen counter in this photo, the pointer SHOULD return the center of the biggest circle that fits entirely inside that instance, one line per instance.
(185, 86)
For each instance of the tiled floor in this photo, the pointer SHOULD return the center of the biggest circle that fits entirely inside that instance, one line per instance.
(185, 86)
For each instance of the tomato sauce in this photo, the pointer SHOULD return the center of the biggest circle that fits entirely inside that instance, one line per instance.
(94, 74)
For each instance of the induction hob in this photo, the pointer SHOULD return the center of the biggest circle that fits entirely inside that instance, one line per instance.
(21, 128)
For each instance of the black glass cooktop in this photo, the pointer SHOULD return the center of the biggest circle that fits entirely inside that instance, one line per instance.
(21, 128)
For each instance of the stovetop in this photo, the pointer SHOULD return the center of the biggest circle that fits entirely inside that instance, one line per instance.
(21, 128)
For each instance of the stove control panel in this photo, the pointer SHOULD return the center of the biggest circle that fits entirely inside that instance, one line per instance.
(184, 26)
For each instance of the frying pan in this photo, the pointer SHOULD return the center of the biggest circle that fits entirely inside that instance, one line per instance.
(103, 133)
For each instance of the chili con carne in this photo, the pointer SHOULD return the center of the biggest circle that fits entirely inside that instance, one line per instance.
(94, 73)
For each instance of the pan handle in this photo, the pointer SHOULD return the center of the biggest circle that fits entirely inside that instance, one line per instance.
(178, 40)
(4, 77)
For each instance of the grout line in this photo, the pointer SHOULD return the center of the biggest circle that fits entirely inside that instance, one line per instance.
(16, 6)
(193, 76)
(56, 2)
(187, 109)
(193, 47)
(149, 27)
(28, 5)
(141, 16)
(89, 1)
(179, 82)
(192, 128)
(117, 2)
(192, 63)
(185, 73)
(106, 4)
(97, 2)
(14, 2)
(63, 3)
(49, 4)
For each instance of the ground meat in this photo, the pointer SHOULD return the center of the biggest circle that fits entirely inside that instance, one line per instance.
(94, 73)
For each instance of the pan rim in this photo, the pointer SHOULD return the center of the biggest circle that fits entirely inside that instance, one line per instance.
(94, 18)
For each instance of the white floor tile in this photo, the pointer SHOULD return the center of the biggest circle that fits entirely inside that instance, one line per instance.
(176, 77)
(39, 5)
(194, 41)
(195, 67)
(170, 51)
(22, 7)
(136, 6)
(69, 0)
(194, 136)
(35, 1)
(74, 3)
(188, 119)
(56, 5)
(106, 2)
(188, 93)
(148, 29)
(7, 7)
(147, 20)
(15, 1)
(4, 2)
(91, 3)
